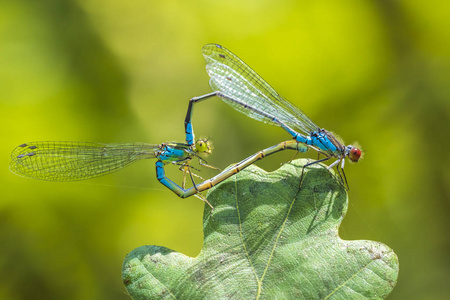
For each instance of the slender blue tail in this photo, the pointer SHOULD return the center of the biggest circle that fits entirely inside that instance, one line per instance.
(161, 176)
(188, 129)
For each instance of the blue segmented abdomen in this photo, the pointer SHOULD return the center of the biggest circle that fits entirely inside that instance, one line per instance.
(301, 139)
(161, 176)
(189, 134)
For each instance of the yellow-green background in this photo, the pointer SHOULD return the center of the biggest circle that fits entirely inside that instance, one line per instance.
(120, 71)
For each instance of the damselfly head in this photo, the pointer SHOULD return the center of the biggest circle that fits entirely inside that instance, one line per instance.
(353, 153)
(203, 146)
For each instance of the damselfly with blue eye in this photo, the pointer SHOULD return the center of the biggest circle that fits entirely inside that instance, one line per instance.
(71, 161)
(238, 85)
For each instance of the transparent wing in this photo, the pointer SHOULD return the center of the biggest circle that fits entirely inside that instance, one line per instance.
(234, 78)
(69, 161)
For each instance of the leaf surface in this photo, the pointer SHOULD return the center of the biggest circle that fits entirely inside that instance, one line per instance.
(269, 237)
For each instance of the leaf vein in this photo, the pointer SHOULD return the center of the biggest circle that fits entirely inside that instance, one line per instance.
(242, 238)
(346, 281)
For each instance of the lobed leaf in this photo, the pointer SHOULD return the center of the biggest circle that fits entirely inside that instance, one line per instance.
(269, 237)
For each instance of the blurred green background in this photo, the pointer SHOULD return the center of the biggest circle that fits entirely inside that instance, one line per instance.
(121, 71)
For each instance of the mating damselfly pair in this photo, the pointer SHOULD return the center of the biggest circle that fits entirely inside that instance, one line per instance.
(232, 81)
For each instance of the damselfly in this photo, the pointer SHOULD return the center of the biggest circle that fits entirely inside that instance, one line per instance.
(71, 161)
(239, 86)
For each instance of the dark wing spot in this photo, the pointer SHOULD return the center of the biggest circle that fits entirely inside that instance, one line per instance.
(32, 147)
(222, 56)
(218, 46)
(31, 154)
(23, 145)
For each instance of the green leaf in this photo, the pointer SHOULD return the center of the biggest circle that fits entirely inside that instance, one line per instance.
(269, 237)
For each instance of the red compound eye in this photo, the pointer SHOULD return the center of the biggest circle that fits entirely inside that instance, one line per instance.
(354, 154)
